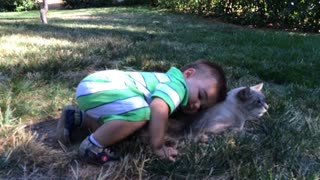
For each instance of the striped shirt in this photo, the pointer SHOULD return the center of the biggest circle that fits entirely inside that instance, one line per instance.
(114, 94)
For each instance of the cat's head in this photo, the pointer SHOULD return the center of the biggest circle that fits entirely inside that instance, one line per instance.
(252, 100)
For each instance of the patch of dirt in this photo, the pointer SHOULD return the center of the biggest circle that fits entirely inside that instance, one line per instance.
(73, 167)
(46, 133)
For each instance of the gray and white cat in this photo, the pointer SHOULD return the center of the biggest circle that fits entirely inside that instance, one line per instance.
(241, 104)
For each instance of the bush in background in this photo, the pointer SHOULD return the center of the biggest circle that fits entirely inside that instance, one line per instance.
(101, 3)
(24, 5)
(294, 14)
(18, 5)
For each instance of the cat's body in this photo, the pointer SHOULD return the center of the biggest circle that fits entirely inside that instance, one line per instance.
(241, 104)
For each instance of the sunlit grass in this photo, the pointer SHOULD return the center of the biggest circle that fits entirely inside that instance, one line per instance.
(15, 48)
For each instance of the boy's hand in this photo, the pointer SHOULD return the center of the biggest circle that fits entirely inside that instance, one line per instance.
(167, 152)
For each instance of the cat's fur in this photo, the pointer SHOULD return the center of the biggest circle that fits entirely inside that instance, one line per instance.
(241, 104)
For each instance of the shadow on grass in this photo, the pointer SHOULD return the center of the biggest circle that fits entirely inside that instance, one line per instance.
(45, 131)
(73, 34)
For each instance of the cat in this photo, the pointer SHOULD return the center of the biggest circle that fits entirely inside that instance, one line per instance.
(241, 104)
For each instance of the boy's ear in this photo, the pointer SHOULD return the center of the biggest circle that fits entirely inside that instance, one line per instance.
(189, 72)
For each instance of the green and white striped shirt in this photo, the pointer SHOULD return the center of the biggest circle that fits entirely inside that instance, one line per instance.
(114, 94)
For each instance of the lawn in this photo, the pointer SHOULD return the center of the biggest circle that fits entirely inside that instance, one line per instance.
(40, 66)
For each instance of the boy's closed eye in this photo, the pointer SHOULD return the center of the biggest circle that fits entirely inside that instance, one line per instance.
(203, 97)
(200, 96)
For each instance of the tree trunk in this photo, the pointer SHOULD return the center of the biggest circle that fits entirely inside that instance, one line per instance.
(43, 12)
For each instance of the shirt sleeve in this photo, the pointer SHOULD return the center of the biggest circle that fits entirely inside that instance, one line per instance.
(171, 92)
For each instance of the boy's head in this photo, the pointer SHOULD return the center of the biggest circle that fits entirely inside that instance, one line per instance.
(206, 82)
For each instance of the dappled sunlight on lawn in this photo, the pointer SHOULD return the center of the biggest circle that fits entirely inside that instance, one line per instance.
(129, 28)
(20, 45)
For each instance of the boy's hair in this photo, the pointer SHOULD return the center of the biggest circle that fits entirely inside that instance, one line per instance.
(214, 71)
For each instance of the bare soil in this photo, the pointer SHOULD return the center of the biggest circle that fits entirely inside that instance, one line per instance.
(46, 131)
(71, 166)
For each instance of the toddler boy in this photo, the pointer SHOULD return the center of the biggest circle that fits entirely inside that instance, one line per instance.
(114, 104)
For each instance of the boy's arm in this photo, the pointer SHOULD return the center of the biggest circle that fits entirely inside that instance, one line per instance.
(157, 129)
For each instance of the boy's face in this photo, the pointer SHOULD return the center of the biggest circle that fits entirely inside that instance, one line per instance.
(202, 91)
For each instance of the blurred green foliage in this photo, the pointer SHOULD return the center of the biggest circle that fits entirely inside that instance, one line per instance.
(101, 3)
(294, 14)
(18, 5)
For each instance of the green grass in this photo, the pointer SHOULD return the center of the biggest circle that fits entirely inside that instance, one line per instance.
(40, 66)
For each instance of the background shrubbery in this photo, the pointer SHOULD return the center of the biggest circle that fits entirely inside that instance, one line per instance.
(24, 5)
(293, 14)
(18, 5)
(101, 3)
(302, 15)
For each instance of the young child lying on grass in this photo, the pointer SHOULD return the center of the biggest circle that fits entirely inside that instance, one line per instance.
(114, 104)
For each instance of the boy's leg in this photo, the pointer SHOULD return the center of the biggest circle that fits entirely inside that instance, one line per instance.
(91, 123)
(106, 135)
(116, 130)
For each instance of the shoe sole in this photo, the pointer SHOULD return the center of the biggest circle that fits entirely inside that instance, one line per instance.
(62, 134)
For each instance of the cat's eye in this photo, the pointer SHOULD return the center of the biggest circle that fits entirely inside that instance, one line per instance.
(259, 101)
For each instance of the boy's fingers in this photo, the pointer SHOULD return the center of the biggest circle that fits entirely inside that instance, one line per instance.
(169, 152)
(173, 152)
(172, 159)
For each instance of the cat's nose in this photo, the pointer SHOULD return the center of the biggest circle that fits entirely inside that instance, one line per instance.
(265, 105)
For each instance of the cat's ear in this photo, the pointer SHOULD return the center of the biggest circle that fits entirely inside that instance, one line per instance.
(257, 87)
(244, 94)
